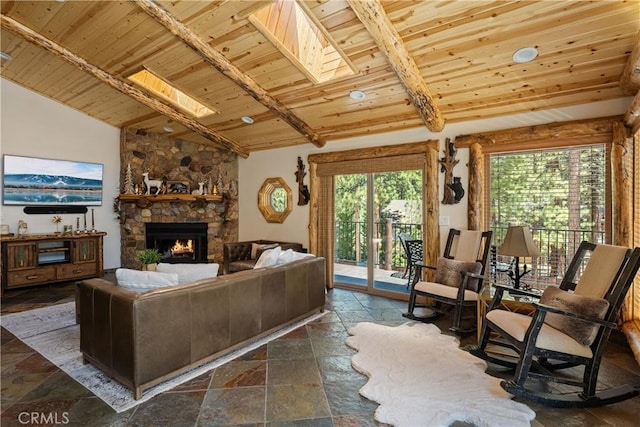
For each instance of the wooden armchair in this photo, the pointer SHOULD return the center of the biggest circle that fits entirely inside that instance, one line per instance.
(459, 276)
(570, 327)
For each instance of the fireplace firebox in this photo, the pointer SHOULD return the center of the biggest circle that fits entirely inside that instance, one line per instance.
(178, 242)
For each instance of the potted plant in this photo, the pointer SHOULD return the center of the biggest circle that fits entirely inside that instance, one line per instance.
(149, 257)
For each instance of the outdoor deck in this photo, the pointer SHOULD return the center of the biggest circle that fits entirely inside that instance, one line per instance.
(357, 275)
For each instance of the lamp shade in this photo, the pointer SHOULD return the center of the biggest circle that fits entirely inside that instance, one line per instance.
(519, 242)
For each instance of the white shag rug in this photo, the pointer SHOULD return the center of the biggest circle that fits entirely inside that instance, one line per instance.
(52, 331)
(421, 378)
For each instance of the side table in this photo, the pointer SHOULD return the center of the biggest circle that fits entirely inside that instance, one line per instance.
(516, 304)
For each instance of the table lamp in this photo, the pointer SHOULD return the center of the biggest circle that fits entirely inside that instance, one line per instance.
(518, 243)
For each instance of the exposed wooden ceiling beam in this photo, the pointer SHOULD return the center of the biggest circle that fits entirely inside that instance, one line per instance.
(630, 78)
(223, 65)
(125, 88)
(379, 26)
(632, 117)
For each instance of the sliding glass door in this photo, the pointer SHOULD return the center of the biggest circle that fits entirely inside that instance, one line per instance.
(373, 212)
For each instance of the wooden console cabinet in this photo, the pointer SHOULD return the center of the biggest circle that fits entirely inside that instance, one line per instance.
(38, 259)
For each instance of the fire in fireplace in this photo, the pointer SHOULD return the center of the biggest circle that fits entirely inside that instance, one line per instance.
(178, 242)
(181, 249)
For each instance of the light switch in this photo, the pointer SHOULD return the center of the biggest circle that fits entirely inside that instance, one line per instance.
(444, 220)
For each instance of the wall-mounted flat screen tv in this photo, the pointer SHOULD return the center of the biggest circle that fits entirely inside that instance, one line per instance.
(33, 181)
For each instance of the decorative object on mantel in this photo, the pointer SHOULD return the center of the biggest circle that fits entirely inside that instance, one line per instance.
(453, 191)
(57, 219)
(152, 183)
(303, 190)
(4, 230)
(177, 187)
(129, 188)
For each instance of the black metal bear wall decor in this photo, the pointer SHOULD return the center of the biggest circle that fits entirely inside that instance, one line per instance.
(458, 191)
(303, 191)
(453, 191)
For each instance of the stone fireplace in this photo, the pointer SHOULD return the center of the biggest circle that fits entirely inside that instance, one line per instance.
(179, 161)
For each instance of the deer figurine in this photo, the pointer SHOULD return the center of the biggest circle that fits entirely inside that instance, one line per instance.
(152, 183)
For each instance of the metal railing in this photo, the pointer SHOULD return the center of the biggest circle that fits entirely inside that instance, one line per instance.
(557, 246)
(351, 243)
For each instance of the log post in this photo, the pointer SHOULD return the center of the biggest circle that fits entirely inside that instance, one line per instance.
(475, 217)
(622, 185)
(431, 233)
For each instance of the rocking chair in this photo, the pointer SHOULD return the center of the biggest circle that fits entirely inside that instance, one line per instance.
(569, 327)
(459, 275)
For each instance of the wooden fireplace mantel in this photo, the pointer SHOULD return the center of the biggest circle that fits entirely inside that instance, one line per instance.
(170, 197)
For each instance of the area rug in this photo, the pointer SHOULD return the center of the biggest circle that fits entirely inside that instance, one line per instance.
(421, 378)
(53, 333)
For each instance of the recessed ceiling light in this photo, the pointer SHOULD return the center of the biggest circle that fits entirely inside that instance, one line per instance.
(248, 120)
(168, 129)
(5, 55)
(525, 54)
(357, 95)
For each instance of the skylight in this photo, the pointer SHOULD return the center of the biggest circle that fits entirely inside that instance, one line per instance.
(176, 97)
(300, 37)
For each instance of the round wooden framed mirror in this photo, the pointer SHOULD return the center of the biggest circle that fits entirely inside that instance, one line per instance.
(275, 200)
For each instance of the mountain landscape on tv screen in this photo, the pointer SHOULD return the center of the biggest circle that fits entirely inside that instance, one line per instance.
(51, 181)
(40, 189)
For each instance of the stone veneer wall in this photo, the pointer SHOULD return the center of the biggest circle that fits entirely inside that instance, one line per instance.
(177, 160)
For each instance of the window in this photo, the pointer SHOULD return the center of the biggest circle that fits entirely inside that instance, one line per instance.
(176, 97)
(300, 36)
(560, 193)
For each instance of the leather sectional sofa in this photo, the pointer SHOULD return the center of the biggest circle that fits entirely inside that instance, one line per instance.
(238, 256)
(142, 339)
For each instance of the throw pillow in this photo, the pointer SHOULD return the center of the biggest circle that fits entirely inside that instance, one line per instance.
(268, 258)
(263, 248)
(189, 272)
(143, 281)
(290, 255)
(580, 330)
(449, 272)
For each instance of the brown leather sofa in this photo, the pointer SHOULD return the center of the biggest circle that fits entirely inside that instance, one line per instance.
(237, 255)
(142, 339)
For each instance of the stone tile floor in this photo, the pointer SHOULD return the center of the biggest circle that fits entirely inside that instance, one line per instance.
(302, 379)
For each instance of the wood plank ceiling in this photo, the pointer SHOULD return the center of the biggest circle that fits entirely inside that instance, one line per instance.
(420, 64)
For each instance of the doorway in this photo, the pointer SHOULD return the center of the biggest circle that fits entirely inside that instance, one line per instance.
(375, 213)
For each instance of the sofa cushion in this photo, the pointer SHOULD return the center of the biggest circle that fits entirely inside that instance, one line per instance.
(143, 281)
(241, 265)
(269, 258)
(449, 272)
(580, 330)
(189, 272)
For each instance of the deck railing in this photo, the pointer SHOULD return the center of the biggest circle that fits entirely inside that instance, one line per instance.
(557, 247)
(351, 246)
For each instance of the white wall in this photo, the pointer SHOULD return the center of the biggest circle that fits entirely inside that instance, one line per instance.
(32, 125)
(283, 163)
